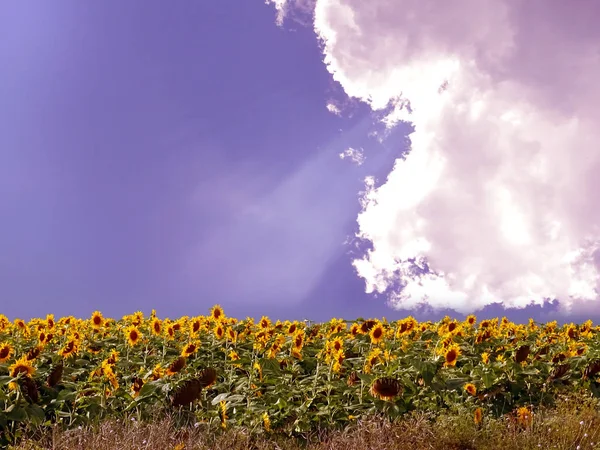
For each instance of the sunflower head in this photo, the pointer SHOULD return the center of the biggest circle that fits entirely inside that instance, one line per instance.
(97, 320)
(478, 416)
(366, 326)
(133, 335)
(524, 416)
(190, 348)
(216, 313)
(231, 335)
(176, 366)
(207, 377)
(377, 333)
(156, 326)
(451, 356)
(292, 327)
(299, 340)
(522, 353)
(6, 352)
(470, 389)
(353, 379)
(50, 321)
(136, 386)
(55, 375)
(21, 366)
(219, 331)
(187, 393)
(195, 325)
(337, 345)
(264, 323)
(69, 349)
(385, 388)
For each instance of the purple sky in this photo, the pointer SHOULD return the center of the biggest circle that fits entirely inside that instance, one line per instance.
(177, 157)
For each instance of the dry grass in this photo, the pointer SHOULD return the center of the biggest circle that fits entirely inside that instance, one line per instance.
(572, 424)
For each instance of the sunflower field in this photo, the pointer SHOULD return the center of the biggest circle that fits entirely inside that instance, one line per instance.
(288, 377)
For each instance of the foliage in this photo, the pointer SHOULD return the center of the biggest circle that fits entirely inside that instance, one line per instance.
(283, 377)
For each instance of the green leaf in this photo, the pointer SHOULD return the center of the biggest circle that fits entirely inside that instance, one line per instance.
(36, 414)
(4, 380)
(219, 398)
(488, 378)
(454, 383)
(17, 415)
(147, 390)
(270, 365)
(65, 395)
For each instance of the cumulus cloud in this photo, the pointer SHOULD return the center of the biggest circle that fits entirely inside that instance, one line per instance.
(333, 109)
(497, 200)
(353, 154)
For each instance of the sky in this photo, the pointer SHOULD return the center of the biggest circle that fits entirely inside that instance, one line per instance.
(300, 158)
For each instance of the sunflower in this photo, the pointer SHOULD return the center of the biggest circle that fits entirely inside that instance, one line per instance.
(338, 359)
(478, 416)
(522, 353)
(69, 349)
(219, 331)
(97, 320)
(113, 357)
(266, 422)
(110, 375)
(33, 353)
(299, 340)
(21, 325)
(55, 375)
(353, 379)
(377, 333)
(6, 351)
(157, 372)
(136, 386)
(524, 416)
(21, 366)
(94, 349)
(372, 358)
(138, 318)
(216, 313)
(264, 323)
(485, 357)
(471, 319)
(176, 366)
(366, 326)
(223, 413)
(156, 326)
(207, 377)
(187, 393)
(337, 345)
(292, 327)
(470, 388)
(190, 348)
(195, 325)
(133, 335)
(170, 331)
(355, 329)
(50, 321)
(231, 335)
(451, 355)
(385, 388)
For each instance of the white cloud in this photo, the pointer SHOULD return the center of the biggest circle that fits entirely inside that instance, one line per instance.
(332, 108)
(500, 188)
(280, 7)
(355, 155)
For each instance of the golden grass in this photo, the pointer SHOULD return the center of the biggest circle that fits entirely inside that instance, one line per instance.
(573, 423)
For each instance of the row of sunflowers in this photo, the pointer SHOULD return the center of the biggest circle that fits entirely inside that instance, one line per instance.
(287, 376)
